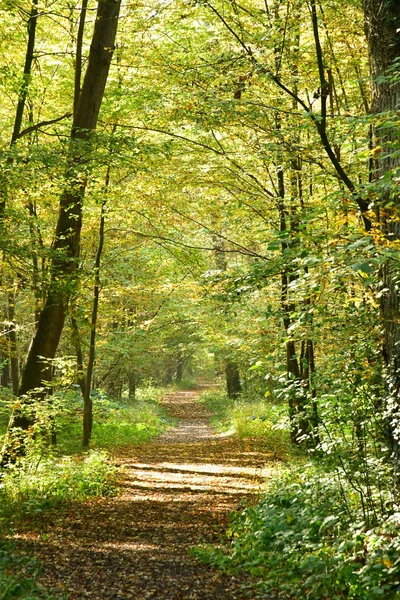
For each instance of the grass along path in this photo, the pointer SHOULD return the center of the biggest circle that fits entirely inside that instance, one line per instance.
(177, 492)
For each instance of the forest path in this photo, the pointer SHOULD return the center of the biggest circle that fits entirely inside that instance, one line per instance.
(177, 492)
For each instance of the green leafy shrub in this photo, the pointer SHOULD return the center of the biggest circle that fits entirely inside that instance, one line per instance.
(5, 400)
(187, 383)
(306, 538)
(18, 576)
(115, 422)
(36, 483)
(250, 415)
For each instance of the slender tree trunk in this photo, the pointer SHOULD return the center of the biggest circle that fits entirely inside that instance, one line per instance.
(179, 367)
(87, 401)
(37, 241)
(5, 371)
(23, 93)
(67, 238)
(76, 339)
(13, 341)
(132, 386)
(32, 22)
(232, 372)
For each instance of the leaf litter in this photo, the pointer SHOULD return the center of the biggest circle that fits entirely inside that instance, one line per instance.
(176, 492)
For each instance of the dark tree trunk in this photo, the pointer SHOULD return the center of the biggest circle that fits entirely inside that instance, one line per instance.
(87, 401)
(382, 27)
(169, 375)
(179, 367)
(32, 22)
(132, 386)
(67, 238)
(5, 372)
(232, 373)
(300, 424)
(13, 342)
(233, 384)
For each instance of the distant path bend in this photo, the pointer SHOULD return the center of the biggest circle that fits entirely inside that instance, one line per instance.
(177, 493)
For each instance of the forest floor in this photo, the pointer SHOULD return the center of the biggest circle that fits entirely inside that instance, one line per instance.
(176, 492)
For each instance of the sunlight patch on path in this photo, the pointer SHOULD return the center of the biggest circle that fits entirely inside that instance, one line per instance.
(177, 492)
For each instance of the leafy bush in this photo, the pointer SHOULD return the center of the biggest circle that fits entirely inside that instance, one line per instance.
(36, 483)
(250, 415)
(115, 422)
(18, 576)
(5, 400)
(306, 538)
(48, 476)
(187, 383)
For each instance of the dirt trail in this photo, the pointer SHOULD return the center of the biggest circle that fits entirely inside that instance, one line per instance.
(177, 493)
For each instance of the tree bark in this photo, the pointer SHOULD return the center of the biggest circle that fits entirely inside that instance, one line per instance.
(68, 230)
(87, 401)
(233, 383)
(13, 342)
(382, 28)
(180, 362)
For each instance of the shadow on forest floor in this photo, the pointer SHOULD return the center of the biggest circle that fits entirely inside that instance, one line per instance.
(176, 492)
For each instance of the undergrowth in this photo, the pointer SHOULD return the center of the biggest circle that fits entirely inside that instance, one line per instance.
(321, 531)
(250, 416)
(36, 483)
(187, 383)
(49, 476)
(307, 538)
(115, 422)
(18, 577)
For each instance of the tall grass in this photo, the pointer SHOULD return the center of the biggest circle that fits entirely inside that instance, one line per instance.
(250, 416)
(115, 422)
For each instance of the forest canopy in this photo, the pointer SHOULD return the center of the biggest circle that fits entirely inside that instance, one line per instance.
(199, 189)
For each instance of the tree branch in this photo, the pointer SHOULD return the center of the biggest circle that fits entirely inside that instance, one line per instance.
(42, 124)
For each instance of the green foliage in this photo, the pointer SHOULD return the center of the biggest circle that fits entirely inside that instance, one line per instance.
(5, 399)
(18, 576)
(47, 476)
(251, 415)
(307, 538)
(36, 483)
(187, 383)
(115, 422)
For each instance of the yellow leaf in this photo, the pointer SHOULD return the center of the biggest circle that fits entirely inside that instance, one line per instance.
(387, 562)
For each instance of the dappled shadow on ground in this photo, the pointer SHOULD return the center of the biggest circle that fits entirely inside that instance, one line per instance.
(176, 493)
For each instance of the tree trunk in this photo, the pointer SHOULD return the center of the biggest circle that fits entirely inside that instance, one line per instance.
(13, 342)
(382, 27)
(32, 22)
(87, 402)
(5, 370)
(67, 238)
(232, 373)
(233, 384)
(179, 367)
(132, 386)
